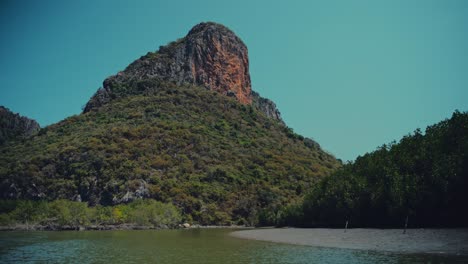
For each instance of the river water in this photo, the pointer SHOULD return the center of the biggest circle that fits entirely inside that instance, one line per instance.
(180, 246)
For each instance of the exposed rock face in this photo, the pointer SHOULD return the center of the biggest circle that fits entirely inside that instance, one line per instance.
(219, 60)
(210, 55)
(13, 126)
(140, 192)
(266, 106)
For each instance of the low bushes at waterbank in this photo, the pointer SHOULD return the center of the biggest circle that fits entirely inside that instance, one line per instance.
(69, 215)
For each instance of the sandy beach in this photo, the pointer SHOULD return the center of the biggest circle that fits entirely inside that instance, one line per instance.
(440, 241)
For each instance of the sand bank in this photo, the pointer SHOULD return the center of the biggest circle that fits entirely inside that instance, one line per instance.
(441, 241)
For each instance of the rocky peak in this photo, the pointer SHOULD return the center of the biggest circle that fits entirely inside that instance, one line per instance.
(13, 126)
(210, 55)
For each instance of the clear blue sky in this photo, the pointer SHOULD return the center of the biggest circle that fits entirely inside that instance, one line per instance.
(350, 74)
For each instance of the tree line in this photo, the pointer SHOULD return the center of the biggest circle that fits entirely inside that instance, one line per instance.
(422, 180)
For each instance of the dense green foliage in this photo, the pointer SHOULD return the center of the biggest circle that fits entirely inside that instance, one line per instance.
(68, 214)
(424, 177)
(219, 161)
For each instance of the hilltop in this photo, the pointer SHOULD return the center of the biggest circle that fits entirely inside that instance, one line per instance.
(181, 126)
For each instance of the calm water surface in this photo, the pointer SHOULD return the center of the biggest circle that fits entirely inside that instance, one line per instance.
(179, 246)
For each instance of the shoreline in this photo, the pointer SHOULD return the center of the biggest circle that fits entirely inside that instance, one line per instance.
(24, 227)
(427, 241)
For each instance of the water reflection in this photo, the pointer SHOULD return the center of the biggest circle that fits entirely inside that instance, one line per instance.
(180, 246)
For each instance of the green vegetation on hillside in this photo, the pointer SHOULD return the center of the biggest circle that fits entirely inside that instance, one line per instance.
(423, 177)
(61, 214)
(219, 161)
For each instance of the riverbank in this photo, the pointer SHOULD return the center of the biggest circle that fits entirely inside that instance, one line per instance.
(36, 227)
(440, 241)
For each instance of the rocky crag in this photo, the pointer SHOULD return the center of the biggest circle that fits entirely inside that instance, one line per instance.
(211, 56)
(13, 126)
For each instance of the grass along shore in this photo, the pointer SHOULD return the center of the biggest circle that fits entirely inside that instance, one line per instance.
(70, 215)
